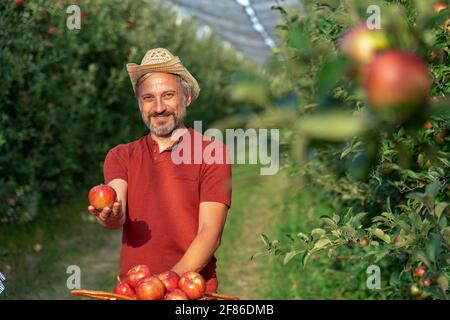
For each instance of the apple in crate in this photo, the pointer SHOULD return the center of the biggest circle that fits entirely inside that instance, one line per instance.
(136, 274)
(176, 294)
(193, 284)
(170, 280)
(123, 288)
(150, 288)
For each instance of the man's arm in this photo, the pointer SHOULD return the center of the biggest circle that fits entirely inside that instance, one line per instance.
(113, 218)
(212, 216)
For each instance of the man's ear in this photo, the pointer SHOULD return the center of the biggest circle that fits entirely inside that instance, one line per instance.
(188, 100)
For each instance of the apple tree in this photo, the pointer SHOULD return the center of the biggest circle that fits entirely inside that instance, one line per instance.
(371, 128)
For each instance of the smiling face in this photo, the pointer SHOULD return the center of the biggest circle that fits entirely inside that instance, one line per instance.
(162, 103)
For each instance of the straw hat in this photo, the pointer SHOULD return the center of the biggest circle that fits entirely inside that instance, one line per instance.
(161, 60)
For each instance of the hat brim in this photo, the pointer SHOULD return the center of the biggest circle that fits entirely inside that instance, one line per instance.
(173, 66)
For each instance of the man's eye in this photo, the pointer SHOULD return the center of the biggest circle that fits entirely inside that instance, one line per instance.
(169, 95)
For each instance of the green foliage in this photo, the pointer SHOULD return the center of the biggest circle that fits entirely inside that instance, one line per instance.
(66, 97)
(388, 183)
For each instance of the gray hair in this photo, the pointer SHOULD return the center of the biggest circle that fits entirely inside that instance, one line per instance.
(187, 90)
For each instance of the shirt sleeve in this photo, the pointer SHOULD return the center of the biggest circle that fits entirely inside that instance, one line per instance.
(215, 184)
(116, 164)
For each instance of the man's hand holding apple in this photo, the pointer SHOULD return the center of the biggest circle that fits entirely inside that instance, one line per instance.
(106, 205)
(109, 216)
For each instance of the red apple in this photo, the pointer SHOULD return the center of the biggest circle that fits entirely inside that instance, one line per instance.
(137, 273)
(176, 294)
(52, 30)
(193, 284)
(364, 241)
(124, 289)
(426, 282)
(398, 239)
(428, 125)
(440, 137)
(102, 196)
(150, 288)
(360, 43)
(440, 6)
(19, 3)
(397, 83)
(420, 272)
(170, 280)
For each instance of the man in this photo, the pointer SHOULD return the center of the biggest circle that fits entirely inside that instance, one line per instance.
(172, 214)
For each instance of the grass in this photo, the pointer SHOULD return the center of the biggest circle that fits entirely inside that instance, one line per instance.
(252, 213)
(35, 256)
(237, 274)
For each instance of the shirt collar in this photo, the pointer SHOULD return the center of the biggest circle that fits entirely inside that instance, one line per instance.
(177, 139)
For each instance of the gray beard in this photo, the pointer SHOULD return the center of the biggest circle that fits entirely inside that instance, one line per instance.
(167, 130)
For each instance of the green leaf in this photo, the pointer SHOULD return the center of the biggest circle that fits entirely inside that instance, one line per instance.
(416, 195)
(299, 39)
(432, 189)
(404, 225)
(290, 255)
(350, 231)
(422, 257)
(329, 222)
(415, 219)
(374, 243)
(265, 239)
(439, 209)
(336, 233)
(442, 281)
(251, 92)
(321, 243)
(434, 247)
(394, 279)
(317, 233)
(443, 222)
(379, 256)
(329, 75)
(331, 126)
(290, 237)
(355, 221)
(380, 234)
(350, 149)
(446, 233)
(305, 258)
(256, 255)
(336, 218)
(303, 236)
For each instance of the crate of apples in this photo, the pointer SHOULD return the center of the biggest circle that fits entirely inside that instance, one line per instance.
(141, 284)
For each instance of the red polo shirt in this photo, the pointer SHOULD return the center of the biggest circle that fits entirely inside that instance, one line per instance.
(163, 198)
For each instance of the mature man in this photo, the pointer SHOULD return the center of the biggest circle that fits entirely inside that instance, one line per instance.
(172, 214)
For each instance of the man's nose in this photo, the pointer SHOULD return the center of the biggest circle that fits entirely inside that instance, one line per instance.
(159, 106)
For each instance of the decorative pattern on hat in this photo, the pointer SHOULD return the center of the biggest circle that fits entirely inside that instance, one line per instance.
(158, 55)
